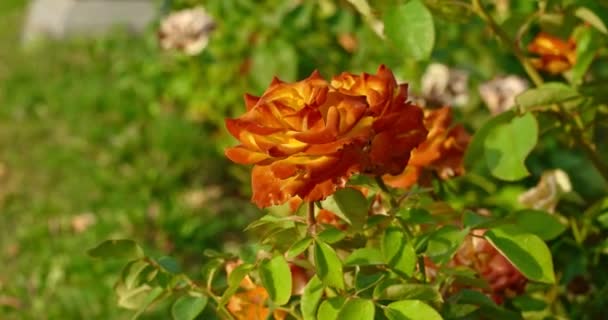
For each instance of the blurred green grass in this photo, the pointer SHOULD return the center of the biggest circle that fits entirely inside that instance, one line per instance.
(87, 152)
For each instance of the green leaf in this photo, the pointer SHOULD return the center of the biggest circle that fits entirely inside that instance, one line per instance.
(331, 235)
(407, 291)
(540, 223)
(474, 220)
(587, 43)
(169, 264)
(507, 146)
(276, 278)
(365, 281)
(209, 270)
(350, 205)
(527, 252)
(117, 249)
(187, 307)
(364, 257)
(299, 247)
(528, 303)
(357, 309)
(234, 280)
(443, 243)
(152, 296)
(329, 309)
(488, 308)
(398, 253)
(329, 267)
(131, 298)
(475, 150)
(592, 18)
(410, 28)
(311, 297)
(411, 310)
(545, 95)
(133, 273)
(416, 215)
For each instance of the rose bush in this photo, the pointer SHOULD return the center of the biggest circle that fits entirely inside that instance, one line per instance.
(376, 208)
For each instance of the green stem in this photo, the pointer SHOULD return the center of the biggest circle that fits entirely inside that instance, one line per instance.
(588, 147)
(422, 267)
(385, 189)
(310, 218)
(507, 41)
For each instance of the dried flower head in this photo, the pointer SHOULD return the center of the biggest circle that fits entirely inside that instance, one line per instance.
(186, 30)
(445, 86)
(554, 54)
(478, 254)
(307, 138)
(546, 194)
(499, 93)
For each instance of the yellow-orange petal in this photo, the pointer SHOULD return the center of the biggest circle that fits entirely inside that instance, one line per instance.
(242, 155)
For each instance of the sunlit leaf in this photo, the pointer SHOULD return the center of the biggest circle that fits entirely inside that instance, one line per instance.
(364, 257)
(357, 309)
(545, 96)
(350, 205)
(188, 307)
(527, 252)
(407, 291)
(276, 278)
(329, 267)
(507, 146)
(411, 310)
(234, 280)
(311, 298)
(443, 243)
(331, 235)
(398, 252)
(299, 247)
(329, 309)
(411, 30)
(540, 223)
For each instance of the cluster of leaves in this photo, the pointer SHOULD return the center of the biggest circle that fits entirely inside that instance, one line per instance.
(372, 266)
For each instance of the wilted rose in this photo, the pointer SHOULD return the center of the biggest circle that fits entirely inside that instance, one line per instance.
(307, 138)
(478, 254)
(499, 93)
(186, 30)
(547, 193)
(444, 86)
(503, 278)
(554, 54)
(441, 152)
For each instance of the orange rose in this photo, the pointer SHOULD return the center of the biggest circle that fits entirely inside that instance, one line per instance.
(442, 151)
(397, 126)
(251, 305)
(307, 138)
(555, 55)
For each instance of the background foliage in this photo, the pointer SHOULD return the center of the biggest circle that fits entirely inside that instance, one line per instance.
(113, 138)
